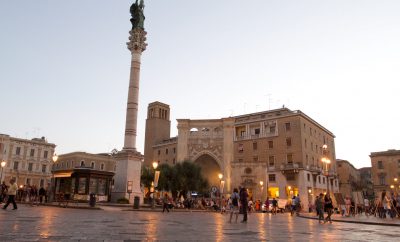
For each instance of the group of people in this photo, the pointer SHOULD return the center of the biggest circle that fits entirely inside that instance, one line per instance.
(11, 193)
(324, 203)
(387, 206)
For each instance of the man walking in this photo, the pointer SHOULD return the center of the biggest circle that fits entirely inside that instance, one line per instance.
(319, 205)
(243, 201)
(12, 191)
(165, 203)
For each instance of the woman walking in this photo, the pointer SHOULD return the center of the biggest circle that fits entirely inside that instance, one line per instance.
(12, 191)
(328, 208)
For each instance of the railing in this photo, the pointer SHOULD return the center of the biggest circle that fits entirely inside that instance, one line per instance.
(292, 166)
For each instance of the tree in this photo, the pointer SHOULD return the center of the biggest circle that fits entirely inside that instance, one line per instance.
(147, 177)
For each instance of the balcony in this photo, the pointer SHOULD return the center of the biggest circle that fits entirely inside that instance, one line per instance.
(291, 167)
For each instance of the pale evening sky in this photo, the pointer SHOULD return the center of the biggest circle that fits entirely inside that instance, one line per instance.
(64, 67)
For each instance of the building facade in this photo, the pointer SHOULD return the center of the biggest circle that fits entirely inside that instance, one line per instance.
(367, 185)
(349, 178)
(275, 153)
(28, 161)
(385, 171)
(80, 174)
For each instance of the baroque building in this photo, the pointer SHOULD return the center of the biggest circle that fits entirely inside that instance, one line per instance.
(28, 161)
(385, 171)
(276, 153)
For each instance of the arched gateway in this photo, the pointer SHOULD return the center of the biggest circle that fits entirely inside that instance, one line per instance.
(208, 143)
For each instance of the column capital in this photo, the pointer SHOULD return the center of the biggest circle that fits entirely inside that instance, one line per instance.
(137, 40)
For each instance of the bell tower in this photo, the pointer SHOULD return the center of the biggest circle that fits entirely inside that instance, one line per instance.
(158, 128)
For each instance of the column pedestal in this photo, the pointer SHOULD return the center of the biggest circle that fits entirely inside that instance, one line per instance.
(129, 164)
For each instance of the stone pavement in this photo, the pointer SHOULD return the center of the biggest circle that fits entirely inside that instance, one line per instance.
(360, 219)
(116, 224)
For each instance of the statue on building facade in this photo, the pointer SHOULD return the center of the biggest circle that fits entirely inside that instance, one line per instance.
(137, 19)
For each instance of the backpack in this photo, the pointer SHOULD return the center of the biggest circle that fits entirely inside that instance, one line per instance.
(235, 200)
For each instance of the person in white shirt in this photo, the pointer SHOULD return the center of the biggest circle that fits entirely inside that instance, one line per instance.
(12, 192)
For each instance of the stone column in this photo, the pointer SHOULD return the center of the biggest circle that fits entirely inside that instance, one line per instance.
(228, 127)
(129, 161)
(136, 45)
(183, 139)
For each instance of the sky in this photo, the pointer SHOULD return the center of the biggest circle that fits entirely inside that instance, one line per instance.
(64, 67)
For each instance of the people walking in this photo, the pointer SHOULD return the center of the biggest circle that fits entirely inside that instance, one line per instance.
(319, 205)
(165, 203)
(274, 206)
(3, 191)
(243, 202)
(12, 191)
(366, 206)
(234, 206)
(42, 194)
(328, 207)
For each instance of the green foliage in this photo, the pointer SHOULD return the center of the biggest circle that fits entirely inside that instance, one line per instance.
(181, 178)
(147, 177)
(123, 200)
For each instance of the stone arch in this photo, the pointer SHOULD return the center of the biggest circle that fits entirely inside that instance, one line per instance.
(210, 167)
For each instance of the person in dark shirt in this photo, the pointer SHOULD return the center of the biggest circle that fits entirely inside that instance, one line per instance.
(243, 202)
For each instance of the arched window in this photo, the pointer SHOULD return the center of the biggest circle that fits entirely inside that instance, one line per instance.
(102, 166)
(92, 165)
(82, 163)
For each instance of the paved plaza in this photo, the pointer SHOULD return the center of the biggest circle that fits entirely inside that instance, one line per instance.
(116, 224)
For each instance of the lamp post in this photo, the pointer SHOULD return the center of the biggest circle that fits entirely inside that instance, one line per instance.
(3, 164)
(395, 186)
(55, 158)
(261, 188)
(155, 165)
(326, 161)
(220, 176)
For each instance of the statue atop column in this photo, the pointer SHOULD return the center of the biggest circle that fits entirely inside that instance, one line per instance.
(137, 19)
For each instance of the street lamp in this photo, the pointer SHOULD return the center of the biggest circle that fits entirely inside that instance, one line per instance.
(55, 158)
(220, 176)
(3, 164)
(326, 161)
(155, 165)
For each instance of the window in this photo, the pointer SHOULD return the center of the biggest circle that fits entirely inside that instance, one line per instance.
(174, 150)
(288, 142)
(271, 160)
(289, 158)
(28, 181)
(271, 144)
(380, 164)
(254, 145)
(102, 166)
(83, 163)
(242, 133)
(257, 131)
(18, 151)
(240, 160)
(30, 166)
(15, 165)
(44, 168)
(46, 153)
(312, 146)
(308, 177)
(32, 152)
(159, 152)
(305, 143)
(323, 180)
(287, 126)
(92, 165)
(319, 180)
(290, 177)
(271, 177)
(255, 158)
(382, 180)
(307, 159)
(166, 151)
(240, 148)
(272, 129)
